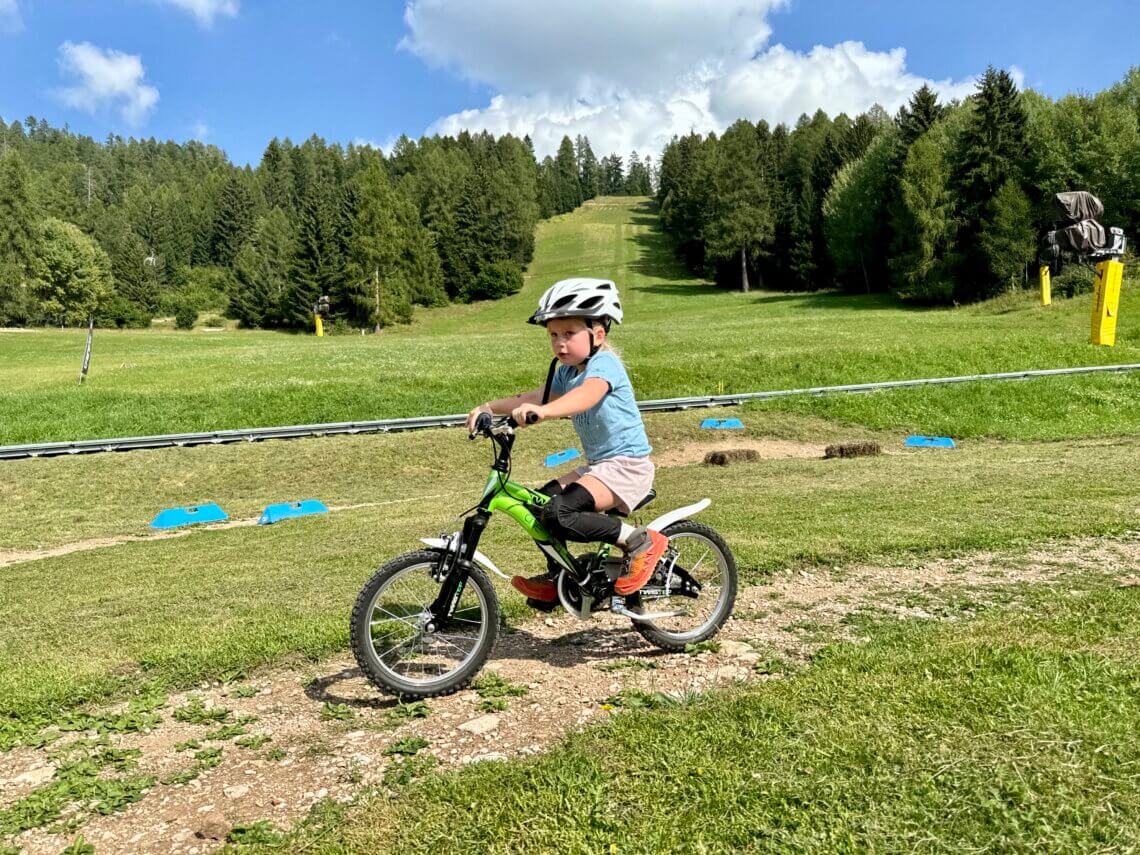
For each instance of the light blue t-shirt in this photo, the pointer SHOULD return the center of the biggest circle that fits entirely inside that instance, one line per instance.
(613, 426)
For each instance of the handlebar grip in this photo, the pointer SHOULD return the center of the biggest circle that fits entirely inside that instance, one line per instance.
(531, 418)
(482, 423)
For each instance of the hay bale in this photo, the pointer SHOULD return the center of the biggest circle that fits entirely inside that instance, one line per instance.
(730, 455)
(853, 449)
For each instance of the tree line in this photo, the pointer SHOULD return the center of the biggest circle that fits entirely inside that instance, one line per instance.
(940, 203)
(130, 229)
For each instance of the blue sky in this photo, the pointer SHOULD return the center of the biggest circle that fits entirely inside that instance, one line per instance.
(629, 74)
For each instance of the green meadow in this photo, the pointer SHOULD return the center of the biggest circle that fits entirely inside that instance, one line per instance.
(682, 337)
(1010, 731)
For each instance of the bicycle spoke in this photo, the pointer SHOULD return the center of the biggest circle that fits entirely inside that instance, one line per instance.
(400, 607)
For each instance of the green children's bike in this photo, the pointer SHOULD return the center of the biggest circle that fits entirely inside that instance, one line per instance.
(426, 621)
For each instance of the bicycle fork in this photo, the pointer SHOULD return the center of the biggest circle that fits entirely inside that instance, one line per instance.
(454, 569)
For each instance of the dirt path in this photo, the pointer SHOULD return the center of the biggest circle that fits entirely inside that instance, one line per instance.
(329, 729)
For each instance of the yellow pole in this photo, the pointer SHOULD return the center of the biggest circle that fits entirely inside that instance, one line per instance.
(1046, 286)
(320, 326)
(1106, 302)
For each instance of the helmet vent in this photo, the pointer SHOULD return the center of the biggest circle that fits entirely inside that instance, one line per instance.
(591, 303)
(563, 303)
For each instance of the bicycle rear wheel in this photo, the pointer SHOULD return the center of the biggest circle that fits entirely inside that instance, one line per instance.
(393, 643)
(698, 552)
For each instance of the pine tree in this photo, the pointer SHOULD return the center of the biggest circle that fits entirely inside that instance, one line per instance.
(739, 221)
(566, 177)
(918, 115)
(275, 176)
(317, 263)
(589, 172)
(613, 176)
(17, 239)
(637, 182)
(261, 272)
(376, 247)
(234, 219)
(991, 152)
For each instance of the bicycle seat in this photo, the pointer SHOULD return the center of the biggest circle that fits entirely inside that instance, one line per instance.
(649, 497)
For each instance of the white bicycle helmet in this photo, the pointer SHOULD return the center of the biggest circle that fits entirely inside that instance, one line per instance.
(579, 298)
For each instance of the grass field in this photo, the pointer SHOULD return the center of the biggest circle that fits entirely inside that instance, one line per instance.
(145, 382)
(1014, 731)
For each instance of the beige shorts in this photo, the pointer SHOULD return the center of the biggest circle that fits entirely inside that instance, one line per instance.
(629, 478)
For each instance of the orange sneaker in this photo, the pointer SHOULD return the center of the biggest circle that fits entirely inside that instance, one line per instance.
(539, 588)
(642, 565)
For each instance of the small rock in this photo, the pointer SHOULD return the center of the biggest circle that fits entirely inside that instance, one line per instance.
(213, 827)
(356, 734)
(727, 672)
(35, 777)
(482, 724)
(549, 621)
(236, 791)
(206, 808)
(483, 758)
(321, 794)
(277, 801)
(735, 648)
(750, 658)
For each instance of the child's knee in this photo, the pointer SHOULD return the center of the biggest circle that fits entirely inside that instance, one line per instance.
(561, 512)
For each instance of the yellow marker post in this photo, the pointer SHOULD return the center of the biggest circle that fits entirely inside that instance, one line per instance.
(1046, 286)
(320, 326)
(1106, 302)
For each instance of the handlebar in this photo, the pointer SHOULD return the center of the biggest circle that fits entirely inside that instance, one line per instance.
(484, 421)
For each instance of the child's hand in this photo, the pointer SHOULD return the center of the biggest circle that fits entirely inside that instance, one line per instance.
(520, 413)
(474, 414)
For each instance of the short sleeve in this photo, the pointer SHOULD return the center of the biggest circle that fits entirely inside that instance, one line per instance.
(558, 384)
(606, 366)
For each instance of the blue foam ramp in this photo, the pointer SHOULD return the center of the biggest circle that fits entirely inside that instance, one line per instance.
(288, 510)
(175, 517)
(723, 424)
(929, 442)
(560, 457)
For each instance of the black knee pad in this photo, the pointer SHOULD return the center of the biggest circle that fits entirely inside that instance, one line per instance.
(571, 515)
(551, 488)
(565, 506)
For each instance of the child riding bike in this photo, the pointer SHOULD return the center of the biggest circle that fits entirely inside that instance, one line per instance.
(588, 383)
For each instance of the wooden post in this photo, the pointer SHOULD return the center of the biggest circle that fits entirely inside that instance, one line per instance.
(744, 269)
(87, 350)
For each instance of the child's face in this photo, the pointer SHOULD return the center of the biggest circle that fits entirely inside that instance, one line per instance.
(570, 339)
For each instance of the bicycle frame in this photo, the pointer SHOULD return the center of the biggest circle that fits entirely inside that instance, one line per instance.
(513, 499)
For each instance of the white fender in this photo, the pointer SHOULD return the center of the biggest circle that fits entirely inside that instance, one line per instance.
(480, 559)
(668, 519)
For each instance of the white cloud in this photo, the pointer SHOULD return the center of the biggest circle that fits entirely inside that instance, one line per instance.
(205, 10)
(780, 84)
(10, 20)
(106, 78)
(585, 48)
(385, 147)
(643, 123)
(631, 75)
(200, 131)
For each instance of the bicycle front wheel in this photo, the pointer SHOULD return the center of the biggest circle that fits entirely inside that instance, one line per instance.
(393, 643)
